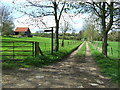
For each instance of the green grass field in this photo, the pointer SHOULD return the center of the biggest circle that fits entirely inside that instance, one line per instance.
(45, 45)
(113, 45)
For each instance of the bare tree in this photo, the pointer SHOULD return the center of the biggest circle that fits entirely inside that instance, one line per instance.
(6, 21)
(65, 28)
(47, 8)
(108, 14)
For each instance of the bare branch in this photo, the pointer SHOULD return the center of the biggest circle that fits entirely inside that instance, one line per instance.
(116, 20)
(41, 6)
(111, 17)
(96, 12)
(98, 5)
(93, 7)
(62, 10)
(58, 2)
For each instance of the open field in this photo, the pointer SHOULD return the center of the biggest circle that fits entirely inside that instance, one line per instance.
(115, 48)
(45, 45)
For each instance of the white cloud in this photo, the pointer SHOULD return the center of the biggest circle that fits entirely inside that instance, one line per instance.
(76, 21)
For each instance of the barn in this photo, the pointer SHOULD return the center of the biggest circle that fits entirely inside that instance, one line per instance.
(23, 31)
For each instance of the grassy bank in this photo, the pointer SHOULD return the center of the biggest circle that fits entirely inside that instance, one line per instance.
(108, 65)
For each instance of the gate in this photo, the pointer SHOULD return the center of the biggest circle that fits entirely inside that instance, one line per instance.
(17, 49)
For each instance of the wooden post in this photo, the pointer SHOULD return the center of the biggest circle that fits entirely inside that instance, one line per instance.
(36, 48)
(45, 46)
(68, 43)
(51, 38)
(13, 51)
(33, 48)
(96, 46)
(40, 51)
(111, 51)
(52, 42)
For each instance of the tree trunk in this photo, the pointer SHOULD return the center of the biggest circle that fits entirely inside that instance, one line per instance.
(104, 44)
(57, 19)
(63, 40)
(104, 32)
(57, 27)
(57, 38)
(106, 29)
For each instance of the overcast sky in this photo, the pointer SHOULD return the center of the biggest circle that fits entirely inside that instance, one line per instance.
(24, 21)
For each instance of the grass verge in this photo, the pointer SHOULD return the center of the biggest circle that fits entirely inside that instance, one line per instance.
(108, 66)
(82, 51)
(80, 56)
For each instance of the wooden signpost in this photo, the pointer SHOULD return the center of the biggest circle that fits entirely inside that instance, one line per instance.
(51, 38)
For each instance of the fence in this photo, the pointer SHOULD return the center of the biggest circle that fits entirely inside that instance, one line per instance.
(17, 49)
(98, 46)
(46, 46)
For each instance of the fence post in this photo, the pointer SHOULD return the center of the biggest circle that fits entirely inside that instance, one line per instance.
(96, 46)
(68, 43)
(52, 42)
(36, 48)
(45, 46)
(33, 48)
(111, 51)
(13, 50)
(40, 50)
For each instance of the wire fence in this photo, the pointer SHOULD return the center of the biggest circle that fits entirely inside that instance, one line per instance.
(112, 49)
(20, 49)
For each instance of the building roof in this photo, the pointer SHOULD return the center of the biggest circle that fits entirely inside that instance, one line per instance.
(21, 29)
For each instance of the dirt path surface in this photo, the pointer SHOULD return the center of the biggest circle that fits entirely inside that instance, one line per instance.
(69, 73)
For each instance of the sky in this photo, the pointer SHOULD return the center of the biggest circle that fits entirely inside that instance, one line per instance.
(21, 20)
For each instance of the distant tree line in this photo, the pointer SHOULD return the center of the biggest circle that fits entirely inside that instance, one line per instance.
(68, 36)
(83, 35)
